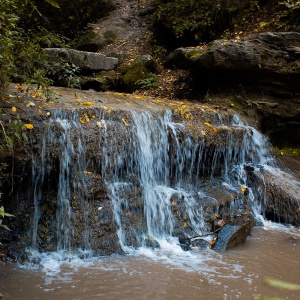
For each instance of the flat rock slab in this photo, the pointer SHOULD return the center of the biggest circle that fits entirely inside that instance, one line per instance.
(91, 61)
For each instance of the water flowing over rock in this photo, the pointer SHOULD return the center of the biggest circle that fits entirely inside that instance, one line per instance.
(125, 172)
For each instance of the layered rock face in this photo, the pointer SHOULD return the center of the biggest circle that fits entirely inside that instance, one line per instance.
(108, 171)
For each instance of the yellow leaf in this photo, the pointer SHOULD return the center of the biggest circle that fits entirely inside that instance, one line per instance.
(81, 120)
(212, 244)
(87, 103)
(29, 126)
(124, 121)
(53, 3)
(207, 124)
(213, 129)
(86, 116)
(109, 111)
(30, 104)
(203, 132)
(13, 109)
(181, 111)
(184, 224)
(218, 216)
(281, 153)
(243, 189)
(99, 124)
(263, 24)
(48, 113)
(87, 173)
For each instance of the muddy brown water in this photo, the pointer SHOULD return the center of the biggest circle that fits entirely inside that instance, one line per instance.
(236, 274)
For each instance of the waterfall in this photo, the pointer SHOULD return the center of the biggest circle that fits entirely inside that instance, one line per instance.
(160, 179)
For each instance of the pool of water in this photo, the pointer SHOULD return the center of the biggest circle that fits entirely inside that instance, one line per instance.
(164, 274)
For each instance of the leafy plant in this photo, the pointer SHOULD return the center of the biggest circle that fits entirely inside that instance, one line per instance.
(148, 82)
(2, 215)
(15, 132)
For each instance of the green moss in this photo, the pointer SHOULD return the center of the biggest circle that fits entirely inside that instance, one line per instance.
(195, 52)
(138, 71)
(133, 75)
(295, 152)
(110, 36)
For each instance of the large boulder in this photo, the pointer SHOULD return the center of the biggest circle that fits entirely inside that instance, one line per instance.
(271, 60)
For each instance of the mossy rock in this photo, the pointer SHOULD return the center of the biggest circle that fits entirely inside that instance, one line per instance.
(141, 68)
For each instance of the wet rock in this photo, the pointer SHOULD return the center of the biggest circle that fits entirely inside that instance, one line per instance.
(200, 243)
(234, 232)
(88, 62)
(282, 194)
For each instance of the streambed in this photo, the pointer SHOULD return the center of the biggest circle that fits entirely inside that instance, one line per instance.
(165, 273)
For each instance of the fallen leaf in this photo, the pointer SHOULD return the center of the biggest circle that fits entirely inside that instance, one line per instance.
(81, 120)
(30, 104)
(48, 113)
(184, 224)
(99, 124)
(88, 173)
(282, 284)
(207, 124)
(212, 244)
(298, 210)
(87, 103)
(29, 126)
(109, 111)
(13, 109)
(181, 111)
(243, 189)
(203, 132)
(86, 116)
(124, 121)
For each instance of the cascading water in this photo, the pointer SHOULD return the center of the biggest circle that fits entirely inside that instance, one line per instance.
(158, 177)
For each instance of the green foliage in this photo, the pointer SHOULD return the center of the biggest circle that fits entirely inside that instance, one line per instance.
(64, 72)
(2, 215)
(21, 49)
(148, 82)
(194, 21)
(190, 22)
(61, 16)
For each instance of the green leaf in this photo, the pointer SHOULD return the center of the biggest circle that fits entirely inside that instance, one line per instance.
(5, 227)
(8, 215)
(53, 3)
(282, 284)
